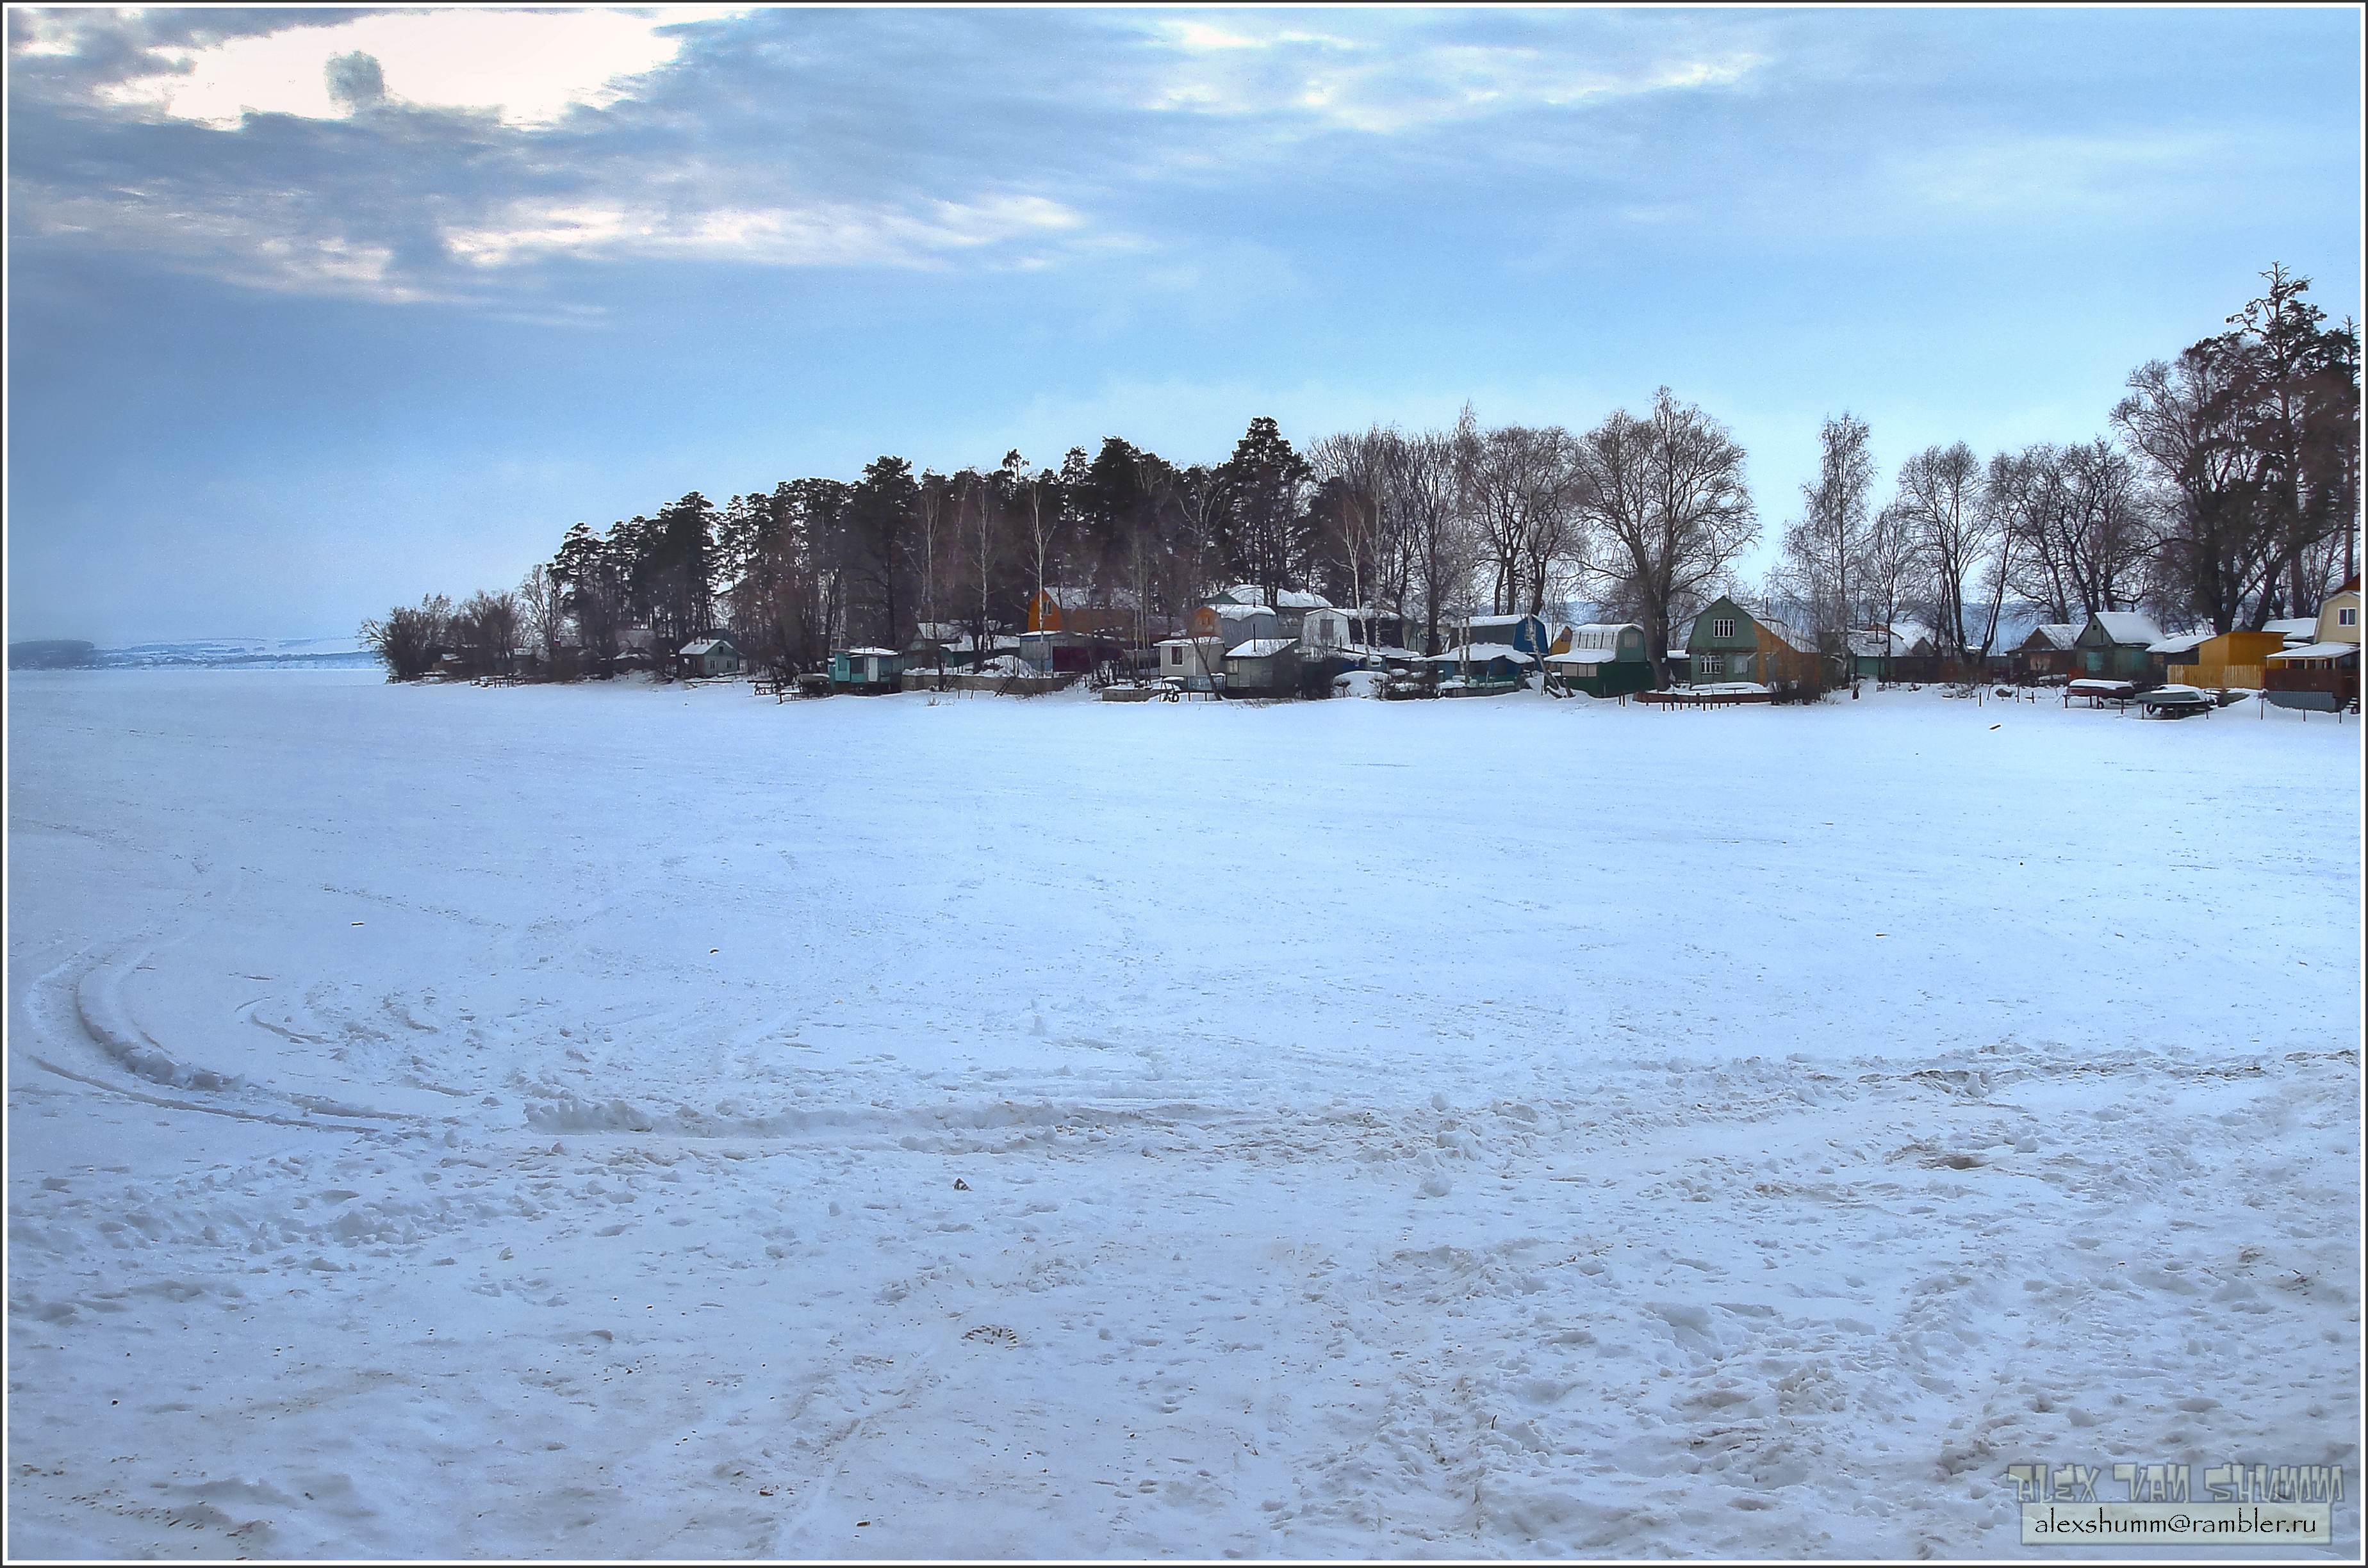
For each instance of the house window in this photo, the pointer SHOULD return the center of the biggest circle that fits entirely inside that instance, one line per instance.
(1175, 655)
(1722, 629)
(1709, 666)
(2348, 616)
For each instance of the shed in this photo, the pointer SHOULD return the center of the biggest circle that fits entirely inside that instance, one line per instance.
(1083, 610)
(1198, 662)
(2113, 646)
(866, 672)
(2230, 661)
(709, 656)
(1264, 667)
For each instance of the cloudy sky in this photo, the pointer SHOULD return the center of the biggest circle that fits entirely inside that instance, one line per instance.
(313, 311)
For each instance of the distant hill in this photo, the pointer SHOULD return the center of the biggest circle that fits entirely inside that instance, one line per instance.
(204, 652)
(54, 655)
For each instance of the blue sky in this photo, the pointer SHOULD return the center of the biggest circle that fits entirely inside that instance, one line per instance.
(282, 354)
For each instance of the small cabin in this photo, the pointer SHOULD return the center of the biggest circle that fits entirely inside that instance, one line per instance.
(2046, 651)
(1265, 666)
(709, 657)
(1197, 663)
(866, 672)
(2113, 646)
(1600, 659)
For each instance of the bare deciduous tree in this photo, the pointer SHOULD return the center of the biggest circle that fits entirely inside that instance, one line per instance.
(1943, 504)
(1825, 549)
(1670, 509)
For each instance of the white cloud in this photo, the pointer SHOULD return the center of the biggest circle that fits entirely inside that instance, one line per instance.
(1387, 84)
(820, 234)
(530, 67)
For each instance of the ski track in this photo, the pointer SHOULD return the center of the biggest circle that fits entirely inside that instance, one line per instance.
(1351, 1166)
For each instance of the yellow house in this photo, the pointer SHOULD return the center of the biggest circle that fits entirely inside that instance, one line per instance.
(2339, 617)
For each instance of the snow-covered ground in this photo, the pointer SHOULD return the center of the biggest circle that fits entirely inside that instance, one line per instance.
(604, 1121)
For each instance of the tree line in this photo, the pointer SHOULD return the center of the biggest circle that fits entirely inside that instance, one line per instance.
(2225, 492)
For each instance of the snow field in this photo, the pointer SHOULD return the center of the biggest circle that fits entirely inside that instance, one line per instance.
(526, 1122)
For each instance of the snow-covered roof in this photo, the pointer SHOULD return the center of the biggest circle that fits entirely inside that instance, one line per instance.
(708, 645)
(1612, 629)
(1262, 647)
(1499, 620)
(2057, 634)
(2315, 651)
(2302, 631)
(2181, 644)
(869, 652)
(1240, 612)
(1479, 653)
(1300, 598)
(2127, 628)
(1584, 656)
(1183, 641)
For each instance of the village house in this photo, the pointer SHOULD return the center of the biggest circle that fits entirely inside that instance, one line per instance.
(1233, 624)
(2321, 676)
(708, 657)
(1730, 644)
(1904, 652)
(1082, 611)
(1198, 663)
(2113, 646)
(1265, 667)
(2047, 651)
(1600, 659)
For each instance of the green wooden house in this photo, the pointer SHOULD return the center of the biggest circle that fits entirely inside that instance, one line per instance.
(1601, 659)
(2113, 646)
(1729, 643)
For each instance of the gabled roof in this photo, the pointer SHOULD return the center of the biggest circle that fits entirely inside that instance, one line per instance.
(1300, 598)
(708, 645)
(2128, 628)
(1262, 647)
(1240, 612)
(2057, 634)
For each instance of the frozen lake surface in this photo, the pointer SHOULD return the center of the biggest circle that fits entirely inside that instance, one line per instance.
(603, 1122)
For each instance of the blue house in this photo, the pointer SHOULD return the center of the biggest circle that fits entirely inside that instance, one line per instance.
(1525, 634)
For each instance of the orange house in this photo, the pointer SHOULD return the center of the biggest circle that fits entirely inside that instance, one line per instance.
(1079, 611)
